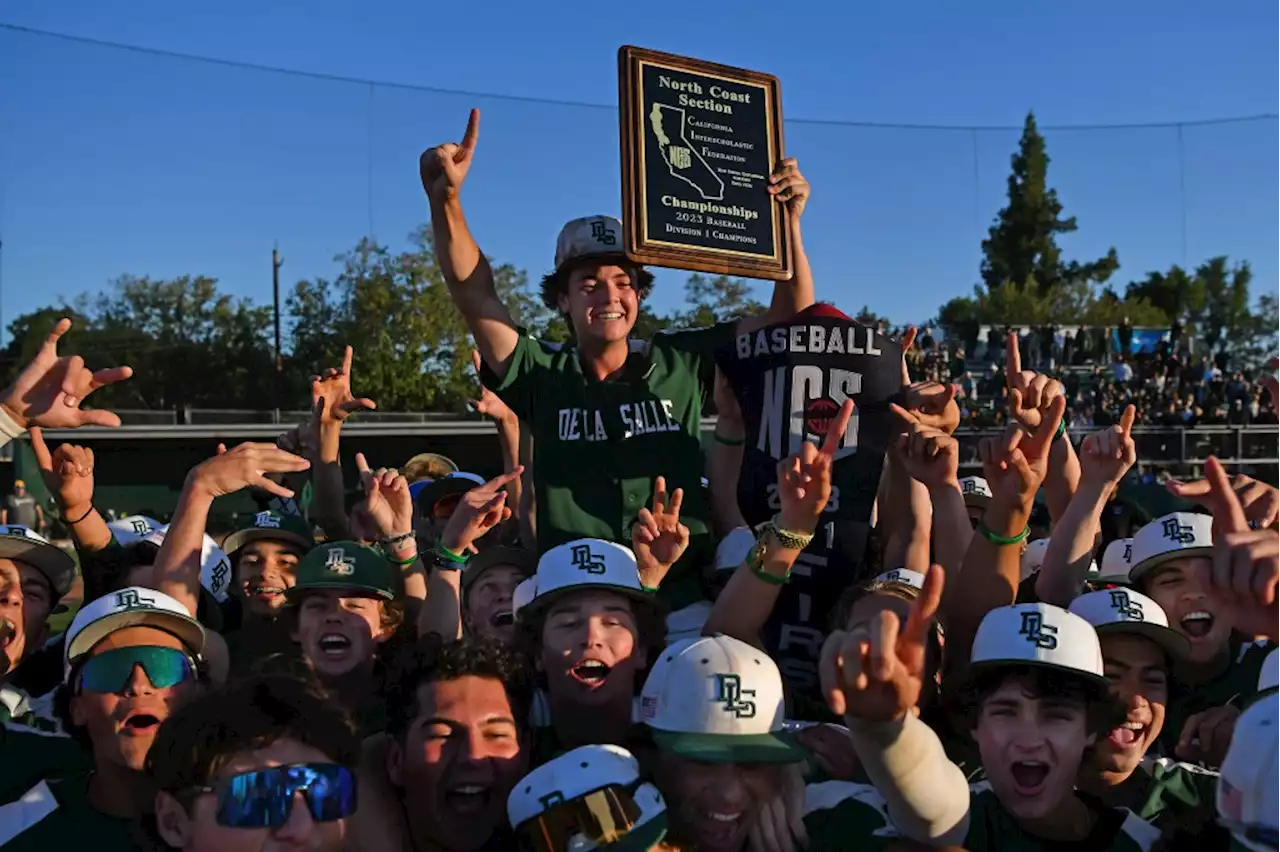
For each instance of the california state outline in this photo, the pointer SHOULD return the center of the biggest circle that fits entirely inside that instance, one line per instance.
(682, 158)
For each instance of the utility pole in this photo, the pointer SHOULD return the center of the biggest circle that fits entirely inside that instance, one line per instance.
(276, 263)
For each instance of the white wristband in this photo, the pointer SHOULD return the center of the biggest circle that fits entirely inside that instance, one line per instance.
(8, 426)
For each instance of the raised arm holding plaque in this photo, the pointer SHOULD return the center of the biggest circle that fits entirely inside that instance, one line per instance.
(699, 142)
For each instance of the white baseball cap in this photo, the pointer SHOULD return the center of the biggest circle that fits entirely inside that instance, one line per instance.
(719, 700)
(587, 563)
(133, 528)
(734, 548)
(215, 567)
(588, 798)
(23, 544)
(130, 607)
(976, 490)
(1130, 611)
(1115, 562)
(1038, 634)
(1176, 535)
(905, 576)
(1247, 780)
(1269, 674)
(1033, 558)
(590, 236)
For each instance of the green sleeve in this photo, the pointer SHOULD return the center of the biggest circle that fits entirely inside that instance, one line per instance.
(531, 363)
(697, 347)
(843, 815)
(28, 756)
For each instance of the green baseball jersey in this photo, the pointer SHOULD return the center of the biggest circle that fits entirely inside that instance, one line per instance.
(601, 444)
(992, 828)
(1160, 790)
(1235, 686)
(844, 815)
(28, 755)
(57, 815)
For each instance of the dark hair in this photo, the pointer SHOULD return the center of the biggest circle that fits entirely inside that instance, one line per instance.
(555, 283)
(432, 660)
(651, 627)
(1102, 711)
(247, 715)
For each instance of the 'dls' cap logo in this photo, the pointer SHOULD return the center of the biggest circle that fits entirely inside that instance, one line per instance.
(1036, 631)
(729, 692)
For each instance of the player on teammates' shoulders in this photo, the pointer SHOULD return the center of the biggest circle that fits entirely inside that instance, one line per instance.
(607, 413)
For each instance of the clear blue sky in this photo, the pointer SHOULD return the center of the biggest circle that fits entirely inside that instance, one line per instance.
(114, 162)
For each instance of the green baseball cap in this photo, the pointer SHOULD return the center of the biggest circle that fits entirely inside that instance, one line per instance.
(271, 525)
(346, 566)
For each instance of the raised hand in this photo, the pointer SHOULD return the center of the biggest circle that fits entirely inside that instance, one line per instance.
(1030, 394)
(789, 186)
(658, 539)
(245, 466)
(67, 472)
(331, 397)
(1260, 501)
(445, 167)
(489, 404)
(1016, 463)
(931, 456)
(1107, 455)
(875, 670)
(804, 479)
(480, 510)
(387, 499)
(48, 392)
(1245, 571)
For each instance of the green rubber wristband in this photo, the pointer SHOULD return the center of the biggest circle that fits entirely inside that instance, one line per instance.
(1062, 428)
(728, 442)
(448, 555)
(999, 539)
(402, 563)
(771, 579)
(653, 590)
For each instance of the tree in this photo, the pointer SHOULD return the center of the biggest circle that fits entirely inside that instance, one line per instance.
(712, 300)
(1022, 245)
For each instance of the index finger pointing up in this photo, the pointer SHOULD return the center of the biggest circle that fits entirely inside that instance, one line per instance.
(1012, 358)
(473, 133)
(835, 431)
(1228, 514)
(346, 361)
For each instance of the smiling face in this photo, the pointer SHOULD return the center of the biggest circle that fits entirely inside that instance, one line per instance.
(338, 633)
(710, 805)
(488, 611)
(202, 833)
(123, 724)
(26, 599)
(590, 648)
(460, 757)
(1031, 747)
(1190, 611)
(601, 302)
(1137, 669)
(266, 570)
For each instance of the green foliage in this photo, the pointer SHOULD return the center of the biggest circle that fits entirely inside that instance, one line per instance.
(1021, 246)
(193, 346)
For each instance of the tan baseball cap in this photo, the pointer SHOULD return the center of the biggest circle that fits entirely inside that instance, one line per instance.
(590, 236)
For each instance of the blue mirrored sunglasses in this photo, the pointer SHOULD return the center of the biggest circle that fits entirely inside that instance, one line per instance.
(264, 798)
(111, 670)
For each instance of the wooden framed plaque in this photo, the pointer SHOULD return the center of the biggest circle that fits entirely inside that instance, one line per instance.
(699, 142)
